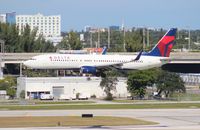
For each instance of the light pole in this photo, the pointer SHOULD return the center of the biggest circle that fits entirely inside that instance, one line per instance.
(108, 37)
(91, 40)
(189, 40)
(1, 58)
(124, 39)
(98, 45)
(143, 38)
(148, 45)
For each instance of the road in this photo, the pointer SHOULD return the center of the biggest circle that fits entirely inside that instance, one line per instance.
(168, 119)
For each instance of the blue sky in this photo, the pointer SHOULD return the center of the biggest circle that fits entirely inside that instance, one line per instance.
(75, 14)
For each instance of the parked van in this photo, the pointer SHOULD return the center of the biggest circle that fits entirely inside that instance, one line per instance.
(46, 97)
(64, 97)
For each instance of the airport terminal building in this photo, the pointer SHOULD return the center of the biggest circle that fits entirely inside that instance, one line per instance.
(70, 86)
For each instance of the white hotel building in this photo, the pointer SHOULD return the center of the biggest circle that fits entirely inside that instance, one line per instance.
(48, 26)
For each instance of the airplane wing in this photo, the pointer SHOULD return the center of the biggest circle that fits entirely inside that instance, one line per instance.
(93, 68)
(117, 65)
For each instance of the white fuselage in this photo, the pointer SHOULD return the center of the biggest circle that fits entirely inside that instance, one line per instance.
(75, 61)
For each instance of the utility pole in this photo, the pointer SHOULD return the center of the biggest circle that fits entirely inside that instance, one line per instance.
(178, 34)
(148, 45)
(124, 35)
(98, 46)
(108, 37)
(90, 39)
(143, 38)
(124, 39)
(189, 40)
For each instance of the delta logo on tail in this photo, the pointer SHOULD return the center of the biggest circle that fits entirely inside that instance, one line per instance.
(164, 46)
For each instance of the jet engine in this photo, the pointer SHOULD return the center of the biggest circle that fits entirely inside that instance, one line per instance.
(88, 70)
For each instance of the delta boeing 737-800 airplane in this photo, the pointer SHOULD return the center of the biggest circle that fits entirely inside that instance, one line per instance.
(93, 64)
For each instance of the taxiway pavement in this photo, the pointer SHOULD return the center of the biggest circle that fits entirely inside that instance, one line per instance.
(168, 119)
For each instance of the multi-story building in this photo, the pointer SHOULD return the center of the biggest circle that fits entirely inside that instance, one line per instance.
(94, 29)
(3, 18)
(48, 26)
(8, 18)
(11, 18)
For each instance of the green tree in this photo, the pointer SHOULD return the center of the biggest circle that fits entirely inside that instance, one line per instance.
(168, 83)
(74, 41)
(8, 84)
(26, 41)
(22, 94)
(139, 80)
(133, 41)
(47, 46)
(38, 44)
(13, 39)
(116, 41)
(64, 45)
(108, 84)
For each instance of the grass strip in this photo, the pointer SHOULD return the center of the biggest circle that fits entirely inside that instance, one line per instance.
(63, 102)
(101, 106)
(34, 121)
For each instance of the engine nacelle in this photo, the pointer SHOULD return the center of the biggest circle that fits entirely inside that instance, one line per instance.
(88, 70)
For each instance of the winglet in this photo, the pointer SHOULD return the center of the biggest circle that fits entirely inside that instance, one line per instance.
(138, 56)
(104, 50)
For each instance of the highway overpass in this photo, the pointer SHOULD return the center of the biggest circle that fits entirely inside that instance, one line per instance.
(177, 57)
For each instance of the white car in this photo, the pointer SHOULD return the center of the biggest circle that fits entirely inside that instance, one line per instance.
(83, 96)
